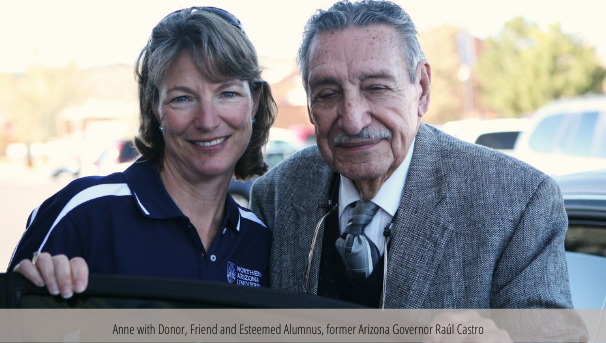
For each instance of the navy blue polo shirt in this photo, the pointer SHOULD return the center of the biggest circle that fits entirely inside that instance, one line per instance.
(126, 223)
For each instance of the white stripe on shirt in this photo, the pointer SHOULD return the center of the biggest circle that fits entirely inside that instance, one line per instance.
(31, 220)
(250, 216)
(91, 193)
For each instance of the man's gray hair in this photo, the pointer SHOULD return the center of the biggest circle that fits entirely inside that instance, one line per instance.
(345, 14)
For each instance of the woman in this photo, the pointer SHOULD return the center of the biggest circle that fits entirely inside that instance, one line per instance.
(205, 115)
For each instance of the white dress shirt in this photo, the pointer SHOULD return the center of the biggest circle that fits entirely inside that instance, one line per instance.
(388, 198)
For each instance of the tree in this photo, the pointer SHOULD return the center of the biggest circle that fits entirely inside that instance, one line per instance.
(447, 94)
(33, 100)
(524, 67)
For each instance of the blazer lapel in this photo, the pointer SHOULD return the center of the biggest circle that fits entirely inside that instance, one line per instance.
(420, 231)
(295, 240)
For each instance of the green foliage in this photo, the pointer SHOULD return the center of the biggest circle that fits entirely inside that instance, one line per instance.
(524, 67)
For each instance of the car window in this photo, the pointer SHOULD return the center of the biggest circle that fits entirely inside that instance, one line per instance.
(310, 140)
(544, 136)
(128, 153)
(578, 138)
(276, 146)
(586, 239)
(278, 150)
(498, 140)
(600, 137)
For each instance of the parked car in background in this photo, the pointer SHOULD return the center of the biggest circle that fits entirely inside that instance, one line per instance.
(566, 136)
(499, 134)
(306, 134)
(116, 158)
(99, 159)
(240, 190)
(585, 201)
(282, 143)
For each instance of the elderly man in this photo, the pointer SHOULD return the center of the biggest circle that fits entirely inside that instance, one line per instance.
(437, 222)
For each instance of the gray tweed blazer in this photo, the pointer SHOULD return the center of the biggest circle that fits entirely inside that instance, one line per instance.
(475, 229)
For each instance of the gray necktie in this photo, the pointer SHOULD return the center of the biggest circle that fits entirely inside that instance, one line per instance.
(359, 254)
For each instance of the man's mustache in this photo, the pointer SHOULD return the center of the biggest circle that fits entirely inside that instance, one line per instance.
(366, 133)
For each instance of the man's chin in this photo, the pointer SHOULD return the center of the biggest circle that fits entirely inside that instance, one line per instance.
(360, 166)
(361, 172)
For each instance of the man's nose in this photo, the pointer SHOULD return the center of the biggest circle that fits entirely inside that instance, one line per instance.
(354, 114)
(206, 117)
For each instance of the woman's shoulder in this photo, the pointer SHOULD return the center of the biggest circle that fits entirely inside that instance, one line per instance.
(92, 184)
(85, 189)
(62, 211)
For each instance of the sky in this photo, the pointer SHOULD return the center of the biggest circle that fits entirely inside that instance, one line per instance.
(96, 33)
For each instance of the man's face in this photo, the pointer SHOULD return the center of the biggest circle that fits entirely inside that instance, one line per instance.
(361, 101)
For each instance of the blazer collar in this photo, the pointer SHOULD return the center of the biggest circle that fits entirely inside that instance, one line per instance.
(292, 246)
(421, 229)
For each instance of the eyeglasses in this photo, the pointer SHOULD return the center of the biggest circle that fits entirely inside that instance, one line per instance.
(228, 17)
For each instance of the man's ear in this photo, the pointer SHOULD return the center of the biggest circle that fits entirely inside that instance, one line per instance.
(423, 75)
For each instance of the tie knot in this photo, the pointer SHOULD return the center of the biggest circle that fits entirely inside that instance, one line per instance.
(363, 212)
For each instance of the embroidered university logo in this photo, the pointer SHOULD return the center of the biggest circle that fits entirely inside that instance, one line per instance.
(231, 272)
(243, 276)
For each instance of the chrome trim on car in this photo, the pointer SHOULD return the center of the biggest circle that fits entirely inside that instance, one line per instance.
(584, 196)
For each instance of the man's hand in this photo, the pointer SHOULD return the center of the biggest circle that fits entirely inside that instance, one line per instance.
(463, 324)
(60, 275)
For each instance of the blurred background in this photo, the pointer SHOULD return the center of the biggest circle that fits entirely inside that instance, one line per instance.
(502, 71)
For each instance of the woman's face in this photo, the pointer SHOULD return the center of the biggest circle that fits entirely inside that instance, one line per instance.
(206, 126)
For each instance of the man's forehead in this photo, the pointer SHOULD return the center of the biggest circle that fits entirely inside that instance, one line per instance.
(370, 52)
(378, 36)
(373, 30)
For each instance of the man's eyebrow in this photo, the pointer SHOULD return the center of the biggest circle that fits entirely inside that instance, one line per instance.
(319, 81)
(382, 74)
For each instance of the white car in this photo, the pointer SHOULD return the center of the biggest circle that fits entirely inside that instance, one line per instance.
(566, 136)
(499, 134)
(585, 201)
